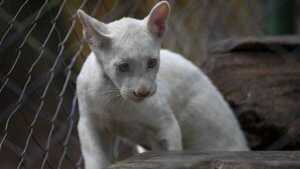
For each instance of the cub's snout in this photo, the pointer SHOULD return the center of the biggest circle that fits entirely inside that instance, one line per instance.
(139, 93)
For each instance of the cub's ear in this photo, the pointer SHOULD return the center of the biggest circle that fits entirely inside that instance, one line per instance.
(157, 18)
(95, 32)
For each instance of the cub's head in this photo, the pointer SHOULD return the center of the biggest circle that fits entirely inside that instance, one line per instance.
(128, 49)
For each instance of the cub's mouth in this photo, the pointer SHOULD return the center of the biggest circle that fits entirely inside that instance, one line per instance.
(137, 99)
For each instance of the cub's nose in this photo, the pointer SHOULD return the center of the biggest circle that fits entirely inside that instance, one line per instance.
(141, 93)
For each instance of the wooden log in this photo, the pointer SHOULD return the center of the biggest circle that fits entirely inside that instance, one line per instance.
(260, 78)
(213, 160)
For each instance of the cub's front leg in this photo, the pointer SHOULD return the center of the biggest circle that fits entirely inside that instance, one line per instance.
(96, 144)
(169, 136)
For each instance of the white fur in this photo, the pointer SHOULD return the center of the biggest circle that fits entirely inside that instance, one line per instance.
(184, 112)
(184, 93)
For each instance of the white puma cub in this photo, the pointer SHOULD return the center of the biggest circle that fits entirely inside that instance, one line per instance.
(130, 88)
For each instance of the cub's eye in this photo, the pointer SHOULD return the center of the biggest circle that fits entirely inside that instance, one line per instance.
(123, 67)
(151, 63)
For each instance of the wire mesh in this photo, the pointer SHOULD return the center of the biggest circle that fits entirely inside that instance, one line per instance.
(41, 48)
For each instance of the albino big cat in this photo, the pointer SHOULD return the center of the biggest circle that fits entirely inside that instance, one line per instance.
(131, 90)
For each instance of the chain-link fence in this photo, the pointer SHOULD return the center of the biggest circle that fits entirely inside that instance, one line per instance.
(41, 51)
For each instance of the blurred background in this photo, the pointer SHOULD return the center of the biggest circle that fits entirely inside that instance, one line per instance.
(248, 48)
